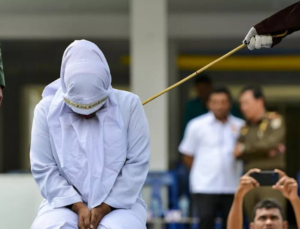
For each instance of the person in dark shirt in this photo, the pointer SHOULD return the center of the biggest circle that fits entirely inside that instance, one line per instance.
(265, 34)
(197, 106)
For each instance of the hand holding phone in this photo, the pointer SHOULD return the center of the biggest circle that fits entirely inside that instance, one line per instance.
(265, 178)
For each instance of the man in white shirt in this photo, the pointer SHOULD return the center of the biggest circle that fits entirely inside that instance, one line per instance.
(208, 146)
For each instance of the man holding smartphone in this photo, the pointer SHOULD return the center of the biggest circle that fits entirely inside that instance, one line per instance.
(268, 213)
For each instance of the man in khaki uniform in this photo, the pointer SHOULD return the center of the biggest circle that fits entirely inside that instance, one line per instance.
(260, 144)
(2, 81)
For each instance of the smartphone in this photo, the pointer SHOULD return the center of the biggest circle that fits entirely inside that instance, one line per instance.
(266, 178)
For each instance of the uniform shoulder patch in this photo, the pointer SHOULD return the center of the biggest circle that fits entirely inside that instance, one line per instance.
(275, 119)
(244, 130)
(276, 123)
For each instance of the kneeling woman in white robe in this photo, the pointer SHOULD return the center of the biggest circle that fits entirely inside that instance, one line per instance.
(90, 148)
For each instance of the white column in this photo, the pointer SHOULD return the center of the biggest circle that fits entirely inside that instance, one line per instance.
(149, 70)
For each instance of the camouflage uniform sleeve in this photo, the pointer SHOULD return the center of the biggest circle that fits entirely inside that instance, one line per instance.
(2, 80)
(273, 137)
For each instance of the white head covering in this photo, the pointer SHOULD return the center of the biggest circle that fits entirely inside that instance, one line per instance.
(85, 77)
(91, 152)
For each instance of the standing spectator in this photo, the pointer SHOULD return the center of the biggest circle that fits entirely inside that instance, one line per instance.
(207, 146)
(197, 106)
(2, 82)
(260, 144)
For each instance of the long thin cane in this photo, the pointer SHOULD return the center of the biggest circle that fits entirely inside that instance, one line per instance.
(201, 70)
(194, 74)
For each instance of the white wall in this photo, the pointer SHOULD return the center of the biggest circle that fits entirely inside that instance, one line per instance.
(20, 200)
(117, 26)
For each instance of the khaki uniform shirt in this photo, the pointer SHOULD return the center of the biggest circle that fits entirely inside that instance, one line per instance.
(259, 139)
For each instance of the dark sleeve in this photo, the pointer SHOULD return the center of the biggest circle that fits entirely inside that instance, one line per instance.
(235, 111)
(287, 19)
(2, 81)
(186, 118)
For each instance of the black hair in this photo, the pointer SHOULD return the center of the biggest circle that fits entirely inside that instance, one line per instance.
(203, 79)
(268, 204)
(221, 89)
(256, 90)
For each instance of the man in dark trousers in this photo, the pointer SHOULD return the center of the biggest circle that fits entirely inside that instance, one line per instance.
(2, 81)
(207, 147)
(281, 23)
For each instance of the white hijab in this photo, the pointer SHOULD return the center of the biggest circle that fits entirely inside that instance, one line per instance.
(90, 152)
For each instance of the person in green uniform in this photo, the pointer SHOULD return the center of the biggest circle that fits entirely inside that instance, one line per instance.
(261, 143)
(2, 81)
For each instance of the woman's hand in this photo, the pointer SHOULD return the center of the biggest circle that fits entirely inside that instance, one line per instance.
(84, 215)
(98, 213)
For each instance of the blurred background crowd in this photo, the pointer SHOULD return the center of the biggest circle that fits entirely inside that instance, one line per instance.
(150, 45)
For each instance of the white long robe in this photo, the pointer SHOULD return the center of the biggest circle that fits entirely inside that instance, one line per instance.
(57, 190)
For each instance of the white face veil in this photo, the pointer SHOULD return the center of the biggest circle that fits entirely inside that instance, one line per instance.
(90, 152)
(85, 77)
